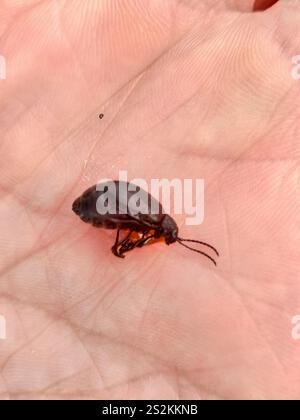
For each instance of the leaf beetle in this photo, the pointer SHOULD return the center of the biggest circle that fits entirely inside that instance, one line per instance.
(145, 226)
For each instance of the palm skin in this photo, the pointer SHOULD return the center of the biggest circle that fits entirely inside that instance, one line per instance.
(188, 90)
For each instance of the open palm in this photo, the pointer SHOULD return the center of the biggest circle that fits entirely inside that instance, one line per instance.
(188, 89)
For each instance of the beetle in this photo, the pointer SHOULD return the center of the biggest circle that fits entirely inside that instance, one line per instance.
(120, 214)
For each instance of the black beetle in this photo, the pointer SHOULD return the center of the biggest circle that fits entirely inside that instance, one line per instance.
(122, 216)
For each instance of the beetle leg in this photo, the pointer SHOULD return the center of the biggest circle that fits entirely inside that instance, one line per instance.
(119, 244)
(114, 248)
(117, 239)
(129, 246)
(126, 244)
(143, 241)
(116, 245)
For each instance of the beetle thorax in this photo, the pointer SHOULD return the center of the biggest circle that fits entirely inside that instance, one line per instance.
(169, 229)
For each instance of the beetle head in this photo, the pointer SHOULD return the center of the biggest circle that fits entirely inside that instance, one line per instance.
(169, 229)
(76, 206)
(80, 207)
(170, 232)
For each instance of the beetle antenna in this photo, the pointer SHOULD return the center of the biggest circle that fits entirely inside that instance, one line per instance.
(199, 242)
(199, 252)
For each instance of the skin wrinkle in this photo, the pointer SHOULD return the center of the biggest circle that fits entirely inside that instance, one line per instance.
(5, 383)
(268, 346)
(140, 349)
(267, 303)
(93, 274)
(7, 129)
(21, 260)
(239, 157)
(91, 358)
(74, 327)
(105, 296)
(109, 125)
(251, 394)
(41, 235)
(249, 313)
(23, 346)
(178, 108)
(141, 74)
(28, 254)
(19, 15)
(100, 288)
(177, 382)
(96, 391)
(179, 370)
(45, 255)
(62, 381)
(258, 329)
(145, 313)
(63, 33)
(235, 160)
(38, 336)
(111, 387)
(98, 302)
(194, 384)
(137, 270)
(274, 111)
(209, 391)
(164, 363)
(184, 103)
(138, 76)
(132, 283)
(226, 227)
(102, 297)
(290, 171)
(72, 133)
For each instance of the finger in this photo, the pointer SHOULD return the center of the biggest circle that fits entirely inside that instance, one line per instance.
(250, 5)
(260, 5)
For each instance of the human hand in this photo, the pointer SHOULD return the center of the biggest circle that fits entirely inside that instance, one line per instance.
(188, 89)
